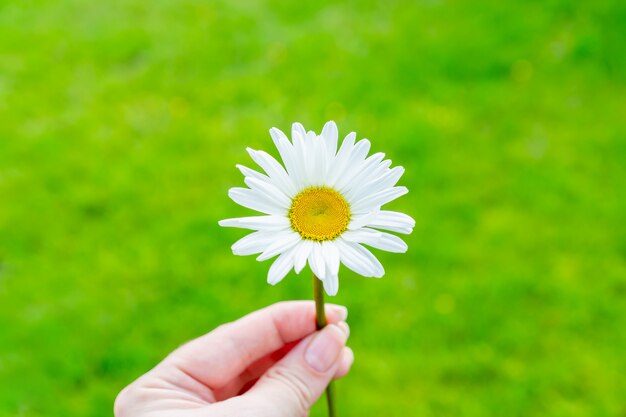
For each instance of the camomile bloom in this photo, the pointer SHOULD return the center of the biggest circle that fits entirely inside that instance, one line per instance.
(320, 207)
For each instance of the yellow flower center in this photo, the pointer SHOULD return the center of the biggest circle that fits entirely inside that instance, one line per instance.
(319, 213)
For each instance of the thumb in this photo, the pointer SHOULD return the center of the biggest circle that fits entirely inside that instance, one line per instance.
(294, 383)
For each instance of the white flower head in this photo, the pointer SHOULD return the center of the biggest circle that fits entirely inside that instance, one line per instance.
(321, 207)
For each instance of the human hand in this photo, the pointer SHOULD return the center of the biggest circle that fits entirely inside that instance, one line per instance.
(271, 362)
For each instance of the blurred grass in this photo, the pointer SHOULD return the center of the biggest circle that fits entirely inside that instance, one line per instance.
(121, 122)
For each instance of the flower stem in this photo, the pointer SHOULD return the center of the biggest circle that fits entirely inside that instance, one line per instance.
(320, 320)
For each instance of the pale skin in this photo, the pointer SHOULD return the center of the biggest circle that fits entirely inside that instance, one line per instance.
(271, 362)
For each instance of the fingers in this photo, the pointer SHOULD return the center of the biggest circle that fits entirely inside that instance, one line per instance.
(222, 355)
(347, 358)
(252, 374)
(293, 385)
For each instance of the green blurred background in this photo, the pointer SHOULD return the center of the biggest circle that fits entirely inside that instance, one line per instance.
(121, 123)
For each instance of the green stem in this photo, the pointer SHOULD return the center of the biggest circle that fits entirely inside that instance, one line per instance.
(320, 320)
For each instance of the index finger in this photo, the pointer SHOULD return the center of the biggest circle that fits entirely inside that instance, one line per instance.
(221, 355)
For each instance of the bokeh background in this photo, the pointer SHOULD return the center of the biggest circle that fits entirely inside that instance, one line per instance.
(121, 123)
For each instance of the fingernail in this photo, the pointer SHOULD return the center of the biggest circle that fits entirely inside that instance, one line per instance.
(341, 311)
(344, 327)
(325, 348)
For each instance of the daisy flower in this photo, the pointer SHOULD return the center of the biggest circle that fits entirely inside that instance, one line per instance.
(320, 207)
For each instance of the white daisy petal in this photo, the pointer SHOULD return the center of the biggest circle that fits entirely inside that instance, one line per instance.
(280, 268)
(390, 243)
(315, 163)
(274, 170)
(376, 200)
(255, 201)
(331, 135)
(376, 239)
(361, 235)
(331, 257)
(312, 162)
(287, 153)
(269, 190)
(280, 245)
(298, 129)
(360, 151)
(347, 183)
(323, 161)
(403, 230)
(356, 158)
(392, 221)
(361, 220)
(316, 261)
(300, 160)
(341, 159)
(247, 172)
(388, 180)
(351, 259)
(378, 267)
(281, 141)
(371, 186)
(254, 243)
(360, 260)
(257, 222)
(345, 150)
(376, 172)
(301, 254)
(346, 145)
(331, 284)
(301, 153)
